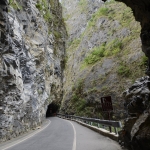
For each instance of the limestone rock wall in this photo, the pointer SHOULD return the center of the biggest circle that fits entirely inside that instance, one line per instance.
(136, 131)
(103, 55)
(135, 134)
(32, 49)
(141, 13)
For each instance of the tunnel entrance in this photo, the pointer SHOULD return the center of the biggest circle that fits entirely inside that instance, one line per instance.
(52, 110)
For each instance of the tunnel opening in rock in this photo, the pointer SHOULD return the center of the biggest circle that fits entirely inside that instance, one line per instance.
(52, 110)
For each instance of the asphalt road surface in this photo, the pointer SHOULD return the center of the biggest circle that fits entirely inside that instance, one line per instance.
(66, 135)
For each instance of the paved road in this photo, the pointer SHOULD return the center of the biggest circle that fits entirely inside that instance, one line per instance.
(66, 135)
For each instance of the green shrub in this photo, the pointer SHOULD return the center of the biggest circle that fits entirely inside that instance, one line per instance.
(96, 54)
(113, 47)
(15, 4)
(91, 23)
(103, 11)
(124, 70)
(94, 89)
(89, 111)
(77, 90)
(79, 86)
(57, 34)
(39, 6)
(75, 98)
(81, 104)
(74, 44)
(42, 6)
(144, 61)
(116, 43)
(104, 88)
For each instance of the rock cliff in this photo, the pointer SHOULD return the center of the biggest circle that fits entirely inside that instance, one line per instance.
(103, 58)
(141, 13)
(32, 50)
(136, 132)
(104, 55)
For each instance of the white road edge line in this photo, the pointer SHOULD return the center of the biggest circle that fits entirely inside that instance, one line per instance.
(27, 137)
(74, 141)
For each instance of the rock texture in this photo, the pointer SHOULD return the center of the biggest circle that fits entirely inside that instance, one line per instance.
(90, 82)
(32, 53)
(136, 132)
(103, 54)
(141, 12)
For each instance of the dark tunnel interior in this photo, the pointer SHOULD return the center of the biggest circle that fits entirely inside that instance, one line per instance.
(52, 110)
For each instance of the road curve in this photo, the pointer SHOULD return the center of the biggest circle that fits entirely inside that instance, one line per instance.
(66, 135)
(57, 136)
(88, 139)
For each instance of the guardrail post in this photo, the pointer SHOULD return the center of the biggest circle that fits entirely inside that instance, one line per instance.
(98, 125)
(110, 129)
(116, 131)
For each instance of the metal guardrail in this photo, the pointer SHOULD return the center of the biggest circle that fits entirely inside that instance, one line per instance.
(104, 123)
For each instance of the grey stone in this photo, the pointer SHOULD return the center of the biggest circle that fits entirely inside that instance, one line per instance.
(26, 51)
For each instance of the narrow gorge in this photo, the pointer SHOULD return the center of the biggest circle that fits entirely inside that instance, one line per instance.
(68, 54)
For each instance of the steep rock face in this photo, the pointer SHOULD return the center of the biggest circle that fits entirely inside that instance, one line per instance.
(32, 49)
(103, 55)
(141, 12)
(76, 14)
(136, 132)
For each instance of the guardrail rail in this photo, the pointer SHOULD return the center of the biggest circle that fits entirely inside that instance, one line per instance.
(103, 123)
